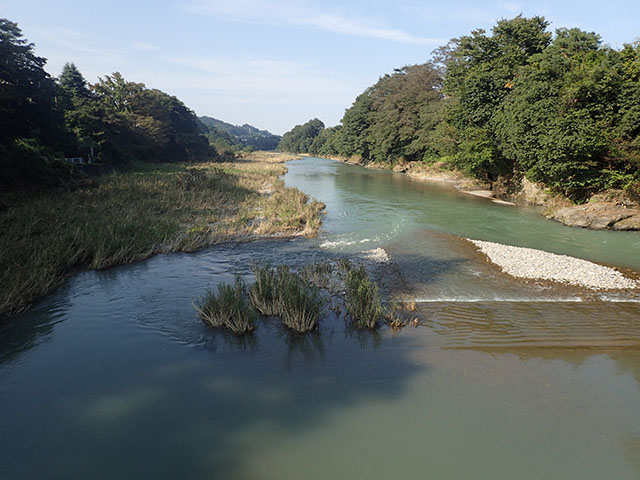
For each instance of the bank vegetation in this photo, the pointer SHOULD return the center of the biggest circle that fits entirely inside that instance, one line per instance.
(143, 210)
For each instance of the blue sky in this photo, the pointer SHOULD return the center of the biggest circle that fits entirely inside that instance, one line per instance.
(275, 64)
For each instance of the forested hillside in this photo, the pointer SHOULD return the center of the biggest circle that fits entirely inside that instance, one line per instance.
(561, 109)
(240, 135)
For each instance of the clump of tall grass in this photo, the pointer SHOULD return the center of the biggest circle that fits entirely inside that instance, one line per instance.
(263, 292)
(317, 274)
(298, 302)
(283, 293)
(228, 308)
(362, 299)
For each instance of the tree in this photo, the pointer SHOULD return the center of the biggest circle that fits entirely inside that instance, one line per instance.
(27, 92)
(479, 74)
(301, 137)
(557, 124)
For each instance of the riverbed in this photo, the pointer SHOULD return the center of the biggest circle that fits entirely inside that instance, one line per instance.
(114, 376)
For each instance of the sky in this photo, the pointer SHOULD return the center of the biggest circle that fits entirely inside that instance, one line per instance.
(276, 63)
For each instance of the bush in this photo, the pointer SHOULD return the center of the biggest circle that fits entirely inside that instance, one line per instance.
(25, 165)
(228, 309)
(362, 299)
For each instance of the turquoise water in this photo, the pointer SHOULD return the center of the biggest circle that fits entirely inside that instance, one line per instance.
(113, 376)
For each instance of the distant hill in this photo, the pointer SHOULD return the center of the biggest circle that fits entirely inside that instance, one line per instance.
(244, 136)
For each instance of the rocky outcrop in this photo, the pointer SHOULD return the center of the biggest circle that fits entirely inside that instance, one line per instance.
(598, 216)
(531, 193)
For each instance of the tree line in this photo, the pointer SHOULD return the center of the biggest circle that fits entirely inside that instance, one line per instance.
(561, 109)
(114, 121)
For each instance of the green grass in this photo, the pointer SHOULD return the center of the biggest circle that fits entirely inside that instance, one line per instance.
(362, 299)
(280, 292)
(317, 274)
(151, 208)
(298, 302)
(263, 291)
(228, 308)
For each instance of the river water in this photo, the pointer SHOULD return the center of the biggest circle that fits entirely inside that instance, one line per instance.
(113, 375)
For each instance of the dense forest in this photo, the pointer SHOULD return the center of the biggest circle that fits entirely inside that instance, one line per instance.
(560, 109)
(115, 121)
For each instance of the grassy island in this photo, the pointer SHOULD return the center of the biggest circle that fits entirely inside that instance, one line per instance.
(143, 210)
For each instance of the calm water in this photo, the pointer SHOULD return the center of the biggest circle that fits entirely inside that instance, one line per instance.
(113, 376)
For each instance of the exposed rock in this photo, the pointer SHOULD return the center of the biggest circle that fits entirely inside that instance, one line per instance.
(531, 193)
(598, 216)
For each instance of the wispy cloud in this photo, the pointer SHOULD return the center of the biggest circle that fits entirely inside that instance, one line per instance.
(285, 12)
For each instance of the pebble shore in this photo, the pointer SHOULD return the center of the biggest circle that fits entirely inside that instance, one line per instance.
(536, 264)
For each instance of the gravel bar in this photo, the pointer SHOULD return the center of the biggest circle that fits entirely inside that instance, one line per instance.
(536, 264)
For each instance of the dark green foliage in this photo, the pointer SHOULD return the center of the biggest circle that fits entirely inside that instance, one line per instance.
(559, 124)
(27, 92)
(301, 137)
(362, 299)
(392, 121)
(228, 308)
(26, 165)
(146, 124)
(113, 121)
(563, 110)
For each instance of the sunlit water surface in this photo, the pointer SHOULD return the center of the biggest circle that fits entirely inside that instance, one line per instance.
(113, 376)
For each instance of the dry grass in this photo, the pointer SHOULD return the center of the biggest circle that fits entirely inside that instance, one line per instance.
(152, 208)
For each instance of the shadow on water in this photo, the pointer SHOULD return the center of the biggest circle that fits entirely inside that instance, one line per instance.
(19, 337)
(137, 387)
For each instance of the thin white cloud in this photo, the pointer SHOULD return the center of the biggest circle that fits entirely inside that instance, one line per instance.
(304, 15)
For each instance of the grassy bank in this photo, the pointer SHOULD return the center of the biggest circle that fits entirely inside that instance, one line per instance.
(150, 208)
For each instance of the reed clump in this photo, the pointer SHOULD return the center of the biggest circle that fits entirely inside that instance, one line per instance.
(228, 308)
(263, 291)
(298, 302)
(280, 292)
(362, 299)
(318, 274)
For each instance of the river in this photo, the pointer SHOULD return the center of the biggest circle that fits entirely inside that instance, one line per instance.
(113, 375)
